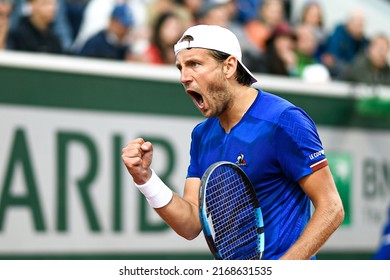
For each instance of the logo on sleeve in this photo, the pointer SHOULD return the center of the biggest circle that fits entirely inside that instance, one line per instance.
(316, 154)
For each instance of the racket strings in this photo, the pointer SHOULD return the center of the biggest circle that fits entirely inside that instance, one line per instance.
(232, 216)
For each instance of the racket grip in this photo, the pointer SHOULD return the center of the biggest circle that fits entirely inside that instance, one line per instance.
(156, 192)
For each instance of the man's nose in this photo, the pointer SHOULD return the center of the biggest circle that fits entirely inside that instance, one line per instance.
(185, 76)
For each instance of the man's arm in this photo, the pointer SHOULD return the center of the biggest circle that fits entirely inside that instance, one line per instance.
(180, 213)
(327, 217)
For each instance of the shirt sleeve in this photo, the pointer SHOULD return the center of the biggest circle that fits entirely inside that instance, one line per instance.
(193, 168)
(299, 148)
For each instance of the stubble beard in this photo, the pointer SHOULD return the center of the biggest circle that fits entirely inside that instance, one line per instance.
(219, 97)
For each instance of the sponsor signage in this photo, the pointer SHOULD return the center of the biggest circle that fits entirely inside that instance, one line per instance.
(63, 186)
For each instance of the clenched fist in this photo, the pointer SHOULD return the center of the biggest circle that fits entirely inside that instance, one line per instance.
(137, 156)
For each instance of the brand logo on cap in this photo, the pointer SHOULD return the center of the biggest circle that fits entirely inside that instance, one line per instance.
(187, 38)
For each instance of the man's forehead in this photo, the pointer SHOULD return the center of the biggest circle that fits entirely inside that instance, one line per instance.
(192, 53)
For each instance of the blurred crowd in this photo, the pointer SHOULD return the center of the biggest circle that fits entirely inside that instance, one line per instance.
(272, 41)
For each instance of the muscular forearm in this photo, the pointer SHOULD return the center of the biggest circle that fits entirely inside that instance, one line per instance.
(179, 213)
(182, 216)
(324, 222)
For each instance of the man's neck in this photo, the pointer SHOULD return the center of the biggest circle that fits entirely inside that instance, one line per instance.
(244, 99)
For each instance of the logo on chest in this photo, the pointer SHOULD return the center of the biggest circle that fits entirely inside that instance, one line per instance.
(241, 160)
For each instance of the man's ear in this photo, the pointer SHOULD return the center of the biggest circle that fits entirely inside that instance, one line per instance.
(230, 66)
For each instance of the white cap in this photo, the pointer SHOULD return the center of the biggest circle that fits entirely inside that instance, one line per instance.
(213, 37)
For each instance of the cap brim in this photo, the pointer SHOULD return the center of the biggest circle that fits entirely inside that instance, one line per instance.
(253, 79)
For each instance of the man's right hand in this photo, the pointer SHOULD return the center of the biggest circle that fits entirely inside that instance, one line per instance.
(137, 157)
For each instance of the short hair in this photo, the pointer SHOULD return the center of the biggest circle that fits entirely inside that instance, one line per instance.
(382, 36)
(242, 75)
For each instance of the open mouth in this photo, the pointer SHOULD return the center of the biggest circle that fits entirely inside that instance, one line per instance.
(198, 99)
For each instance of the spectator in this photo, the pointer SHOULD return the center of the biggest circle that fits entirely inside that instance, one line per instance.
(308, 67)
(113, 41)
(5, 12)
(270, 14)
(96, 17)
(192, 6)
(35, 33)
(247, 10)
(279, 57)
(166, 32)
(152, 10)
(214, 13)
(313, 15)
(306, 45)
(158, 7)
(346, 41)
(371, 66)
(60, 24)
(223, 13)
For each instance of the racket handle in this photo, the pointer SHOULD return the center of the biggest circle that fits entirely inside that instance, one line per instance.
(156, 192)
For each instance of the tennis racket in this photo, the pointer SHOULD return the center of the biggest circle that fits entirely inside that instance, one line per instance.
(230, 214)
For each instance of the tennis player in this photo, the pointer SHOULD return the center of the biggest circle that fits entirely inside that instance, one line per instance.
(274, 142)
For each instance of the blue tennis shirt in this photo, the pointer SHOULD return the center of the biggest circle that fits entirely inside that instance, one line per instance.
(276, 143)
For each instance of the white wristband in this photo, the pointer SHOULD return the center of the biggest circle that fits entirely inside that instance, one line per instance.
(156, 192)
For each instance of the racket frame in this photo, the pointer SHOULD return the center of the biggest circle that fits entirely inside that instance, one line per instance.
(206, 227)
